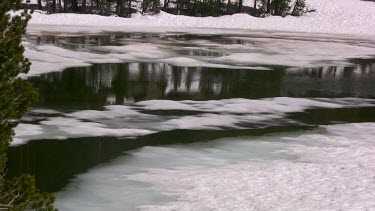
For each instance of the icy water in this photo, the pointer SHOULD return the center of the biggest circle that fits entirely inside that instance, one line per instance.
(201, 122)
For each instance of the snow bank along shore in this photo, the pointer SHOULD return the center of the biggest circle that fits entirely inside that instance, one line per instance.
(353, 17)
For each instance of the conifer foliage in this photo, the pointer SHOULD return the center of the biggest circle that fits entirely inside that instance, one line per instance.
(16, 95)
(151, 6)
(299, 7)
(280, 7)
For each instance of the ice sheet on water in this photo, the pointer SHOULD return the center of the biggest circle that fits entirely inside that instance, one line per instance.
(253, 53)
(110, 112)
(25, 130)
(138, 50)
(51, 58)
(335, 176)
(76, 128)
(249, 106)
(132, 120)
(44, 111)
(327, 169)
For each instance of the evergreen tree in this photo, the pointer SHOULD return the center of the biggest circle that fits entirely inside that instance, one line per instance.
(264, 7)
(74, 5)
(16, 95)
(40, 4)
(151, 6)
(53, 6)
(120, 8)
(145, 5)
(280, 7)
(156, 6)
(299, 8)
(83, 6)
(240, 3)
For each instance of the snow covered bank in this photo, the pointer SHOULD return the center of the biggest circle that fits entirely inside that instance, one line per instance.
(328, 169)
(131, 120)
(332, 16)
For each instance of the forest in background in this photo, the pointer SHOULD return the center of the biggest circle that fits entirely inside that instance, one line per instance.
(198, 8)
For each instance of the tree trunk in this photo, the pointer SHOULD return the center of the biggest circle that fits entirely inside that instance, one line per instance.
(90, 8)
(165, 6)
(130, 8)
(268, 6)
(255, 4)
(83, 8)
(108, 8)
(75, 5)
(240, 6)
(39, 4)
(47, 6)
(120, 8)
(195, 8)
(118, 11)
(295, 7)
(53, 5)
(65, 5)
(60, 6)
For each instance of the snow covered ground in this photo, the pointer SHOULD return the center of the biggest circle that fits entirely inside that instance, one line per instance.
(353, 17)
(331, 168)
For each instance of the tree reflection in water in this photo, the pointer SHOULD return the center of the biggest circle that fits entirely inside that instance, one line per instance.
(103, 84)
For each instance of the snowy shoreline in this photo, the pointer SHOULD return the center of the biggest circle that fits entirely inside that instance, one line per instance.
(351, 17)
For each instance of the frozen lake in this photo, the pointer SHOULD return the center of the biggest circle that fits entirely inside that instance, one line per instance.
(176, 121)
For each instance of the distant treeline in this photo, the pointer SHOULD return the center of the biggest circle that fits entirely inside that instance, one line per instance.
(199, 8)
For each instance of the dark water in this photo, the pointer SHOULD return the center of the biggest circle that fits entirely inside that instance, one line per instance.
(55, 162)
(104, 84)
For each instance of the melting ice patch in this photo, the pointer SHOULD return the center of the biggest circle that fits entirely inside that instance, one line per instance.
(44, 111)
(141, 119)
(241, 106)
(25, 130)
(336, 176)
(77, 128)
(331, 168)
